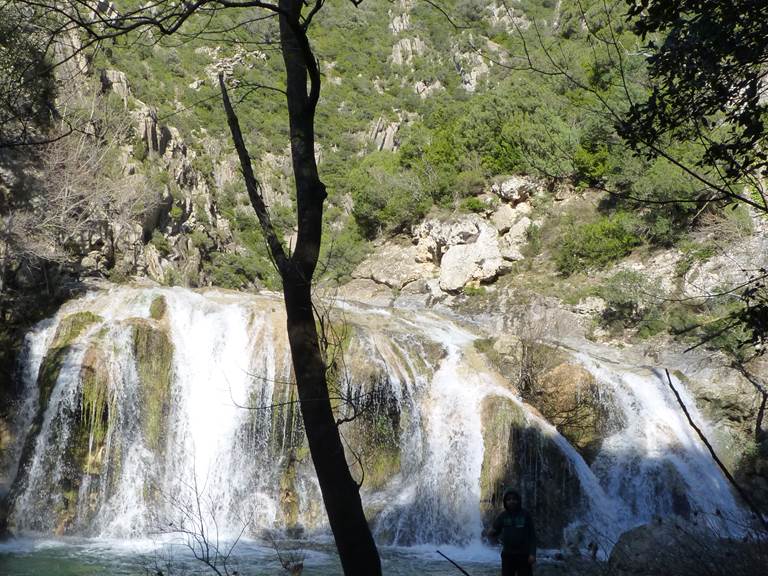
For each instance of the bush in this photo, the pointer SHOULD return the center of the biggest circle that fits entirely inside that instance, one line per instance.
(473, 204)
(386, 197)
(631, 301)
(237, 271)
(624, 294)
(597, 244)
(160, 242)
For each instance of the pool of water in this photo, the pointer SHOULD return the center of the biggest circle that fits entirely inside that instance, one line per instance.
(98, 557)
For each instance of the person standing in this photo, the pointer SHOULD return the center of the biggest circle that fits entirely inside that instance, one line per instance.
(514, 528)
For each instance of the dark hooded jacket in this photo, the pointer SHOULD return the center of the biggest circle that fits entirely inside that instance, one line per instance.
(516, 531)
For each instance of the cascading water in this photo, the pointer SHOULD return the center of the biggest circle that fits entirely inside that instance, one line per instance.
(147, 406)
(655, 465)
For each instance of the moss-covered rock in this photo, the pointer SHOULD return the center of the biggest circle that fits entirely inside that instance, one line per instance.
(289, 498)
(500, 417)
(158, 308)
(752, 471)
(94, 378)
(153, 351)
(69, 329)
(72, 326)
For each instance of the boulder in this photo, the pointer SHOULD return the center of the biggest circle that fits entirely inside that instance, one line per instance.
(117, 82)
(672, 546)
(515, 189)
(94, 262)
(503, 218)
(420, 294)
(433, 237)
(480, 260)
(394, 266)
(513, 241)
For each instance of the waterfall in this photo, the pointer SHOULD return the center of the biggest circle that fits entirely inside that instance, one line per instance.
(145, 408)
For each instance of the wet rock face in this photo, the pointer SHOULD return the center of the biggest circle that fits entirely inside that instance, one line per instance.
(570, 398)
(518, 456)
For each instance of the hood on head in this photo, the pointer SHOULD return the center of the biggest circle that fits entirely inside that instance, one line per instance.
(511, 492)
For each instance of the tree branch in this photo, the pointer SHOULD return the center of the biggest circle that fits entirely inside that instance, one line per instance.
(252, 185)
(744, 496)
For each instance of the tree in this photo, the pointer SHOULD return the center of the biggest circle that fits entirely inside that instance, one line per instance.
(26, 83)
(707, 64)
(341, 495)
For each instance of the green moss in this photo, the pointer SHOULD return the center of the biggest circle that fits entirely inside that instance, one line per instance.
(95, 396)
(72, 326)
(67, 332)
(375, 438)
(153, 352)
(381, 466)
(500, 415)
(158, 308)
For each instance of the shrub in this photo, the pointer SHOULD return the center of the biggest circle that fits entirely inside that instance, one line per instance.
(473, 204)
(160, 242)
(386, 197)
(238, 271)
(597, 244)
(631, 300)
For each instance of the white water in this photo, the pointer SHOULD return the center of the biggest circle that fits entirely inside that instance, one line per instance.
(230, 351)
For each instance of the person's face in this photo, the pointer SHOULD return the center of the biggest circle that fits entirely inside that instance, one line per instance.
(511, 502)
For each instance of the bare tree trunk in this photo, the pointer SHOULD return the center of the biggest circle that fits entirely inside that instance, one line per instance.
(341, 494)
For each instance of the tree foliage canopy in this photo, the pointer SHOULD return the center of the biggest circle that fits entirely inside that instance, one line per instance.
(707, 67)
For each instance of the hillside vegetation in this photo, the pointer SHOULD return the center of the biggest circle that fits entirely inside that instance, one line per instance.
(423, 108)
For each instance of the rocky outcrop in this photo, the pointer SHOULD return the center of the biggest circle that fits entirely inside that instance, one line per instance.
(116, 81)
(426, 89)
(400, 20)
(507, 18)
(467, 249)
(447, 254)
(733, 263)
(383, 135)
(479, 261)
(395, 266)
(472, 67)
(406, 49)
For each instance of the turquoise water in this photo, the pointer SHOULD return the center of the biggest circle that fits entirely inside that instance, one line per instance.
(95, 557)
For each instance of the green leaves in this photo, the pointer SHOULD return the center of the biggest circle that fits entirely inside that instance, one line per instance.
(597, 244)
